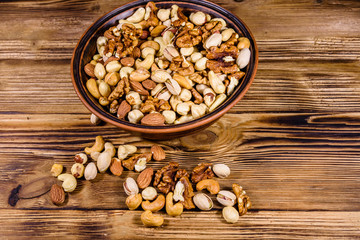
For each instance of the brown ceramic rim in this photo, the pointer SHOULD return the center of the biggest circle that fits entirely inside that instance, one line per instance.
(205, 6)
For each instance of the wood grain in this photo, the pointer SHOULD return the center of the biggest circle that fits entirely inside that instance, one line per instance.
(292, 142)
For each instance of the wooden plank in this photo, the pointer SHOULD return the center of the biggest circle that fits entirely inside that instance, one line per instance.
(114, 224)
(284, 161)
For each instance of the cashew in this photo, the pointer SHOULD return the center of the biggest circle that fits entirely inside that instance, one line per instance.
(185, 95)
(122, 21)
(171, 209)
(160, 76)
(69, 182)
(125, 150)
(162, 45)
(104, 101)
(147, 13)
(100, 42)
(182, 81)
(226, 34)
(151, 44)
(198, 111)
(169, 116)
(146, 63)
(174, 13)
(216, 83)
(151, 220)
(138, 15)
(195, 57)
(92, 87)
(163, 14)
(184, 119)
(183, 109)
(210, 184)
(147, 51)
(97, 147)
(133, 98)
(233, 83)
(164, 94)
(155, 205)
(201, 64)
(135, 116)
(133, 201)
(218, 100)
(109, 147)
(125, 72)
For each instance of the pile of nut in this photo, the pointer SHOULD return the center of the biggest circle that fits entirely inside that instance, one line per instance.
(160, 67)
(170, 181)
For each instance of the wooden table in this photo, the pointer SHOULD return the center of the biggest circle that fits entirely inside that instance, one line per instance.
(293, 142)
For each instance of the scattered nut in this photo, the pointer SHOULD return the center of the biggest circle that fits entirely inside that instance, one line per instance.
(209, 184)
(179, 191)
(90, 171)
(230, 214)
(158, 153)
(155, 205)
(57, 194)
(130, 186)
(56, 169)
(226, 198)
(149, 193)
(97, 147)
(151, 220)
(221, 170)
(133, 201)
(116, 167)
(125, 150)
(203, 201)
(77, 170)
(103, 161)
(69, 182)
(171, 208)
(95, 120)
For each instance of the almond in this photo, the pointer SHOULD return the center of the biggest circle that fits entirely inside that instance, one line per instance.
(149, 84)
(144, 178)
(127, 61)
(57, 194)
(116, 168)
(153, 119)
(123, 110)
(158, 153)
(89, 70)
(138, 88)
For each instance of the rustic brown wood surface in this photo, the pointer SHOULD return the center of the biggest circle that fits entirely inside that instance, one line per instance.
(293, 142)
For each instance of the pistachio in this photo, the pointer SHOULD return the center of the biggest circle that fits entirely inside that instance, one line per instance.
(173, 86)
(170, 52)
(203, 201)
(130, 186)
(221, 170)
(226, 198)
(103, 161)
(90, 171)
